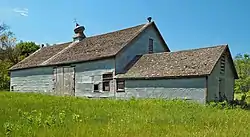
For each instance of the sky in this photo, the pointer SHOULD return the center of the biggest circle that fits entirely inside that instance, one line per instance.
(184, 24)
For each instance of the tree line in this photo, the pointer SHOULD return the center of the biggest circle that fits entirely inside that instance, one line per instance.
(11, 52)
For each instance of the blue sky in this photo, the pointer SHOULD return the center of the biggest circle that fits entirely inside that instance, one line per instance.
(184, 24)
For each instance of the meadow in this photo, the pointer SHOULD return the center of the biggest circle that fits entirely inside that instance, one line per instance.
(35, 115)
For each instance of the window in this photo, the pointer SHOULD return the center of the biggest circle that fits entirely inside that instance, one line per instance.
(106, 78)
(96, 87)
(120, 86)
(150, 45)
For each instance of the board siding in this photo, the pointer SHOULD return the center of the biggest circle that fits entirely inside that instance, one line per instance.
(33, 80)
(213, 82)
(64, 84)
(139, 47)
(189, 89)
(89, 73)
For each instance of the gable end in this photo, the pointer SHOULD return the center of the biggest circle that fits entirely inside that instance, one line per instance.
(137, 36)
(227, 52)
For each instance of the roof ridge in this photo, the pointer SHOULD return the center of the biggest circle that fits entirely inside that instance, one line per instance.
(207, 47)
(186, 50)
(143, 26)
(125, 28)
(57, 54)
(105, 33)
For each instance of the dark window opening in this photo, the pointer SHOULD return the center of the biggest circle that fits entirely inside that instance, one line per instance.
(96, 87)
(106, 78)
(106, 86)
(150, 46)
(120, 86)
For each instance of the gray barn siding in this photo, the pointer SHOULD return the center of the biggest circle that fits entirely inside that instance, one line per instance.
(32, 80)
(190, 89)
(229, 81)
(139, 47)
(89, 73)
(213, 82)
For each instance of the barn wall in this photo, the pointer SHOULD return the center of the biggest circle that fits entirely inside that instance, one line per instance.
(89, 73)
(32, 80)
(190, 89)
(213, 82)
(229, 81)
(139, 47)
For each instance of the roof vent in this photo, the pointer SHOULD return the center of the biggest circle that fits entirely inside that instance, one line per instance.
(79, 35)
(149, 19)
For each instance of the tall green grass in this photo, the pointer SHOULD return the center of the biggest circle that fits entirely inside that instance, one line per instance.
(49, 116)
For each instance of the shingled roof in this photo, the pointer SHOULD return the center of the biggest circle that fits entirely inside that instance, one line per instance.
(186, 63)
(40, 56)
(90, 48)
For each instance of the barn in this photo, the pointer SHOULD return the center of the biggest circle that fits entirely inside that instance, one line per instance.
(131, 62)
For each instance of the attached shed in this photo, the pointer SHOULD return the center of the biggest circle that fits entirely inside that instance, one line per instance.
(205, 74)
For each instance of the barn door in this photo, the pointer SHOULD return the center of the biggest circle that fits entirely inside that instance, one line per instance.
(58, 80)
(69, 82)
(64, 81)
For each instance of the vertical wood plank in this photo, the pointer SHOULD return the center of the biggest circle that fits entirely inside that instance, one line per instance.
(60, 87)
(66, 80)
(54, 80)
(72, 80)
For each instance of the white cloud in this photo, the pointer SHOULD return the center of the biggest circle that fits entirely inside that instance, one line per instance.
(22, 12)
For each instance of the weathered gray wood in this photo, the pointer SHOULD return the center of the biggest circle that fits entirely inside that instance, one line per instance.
(64, 81)
(59, 81)
(54, 80)
(69, 84)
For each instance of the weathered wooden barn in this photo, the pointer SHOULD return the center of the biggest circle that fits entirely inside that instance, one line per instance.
(132, 62)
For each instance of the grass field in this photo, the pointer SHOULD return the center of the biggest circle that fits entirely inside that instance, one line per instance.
(49, 116)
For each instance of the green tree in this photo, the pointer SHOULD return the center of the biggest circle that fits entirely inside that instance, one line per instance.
(6, 41)
(7, 45)
(4, 76)
(26, 48)
(11, 53)
(242, 64)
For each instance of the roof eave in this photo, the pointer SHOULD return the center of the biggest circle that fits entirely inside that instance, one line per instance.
(162, 77)
(232, 63)
(160, 36)
(236, 76)
(64, 63)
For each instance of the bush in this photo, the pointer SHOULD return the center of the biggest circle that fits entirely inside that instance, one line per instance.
(236, 103)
